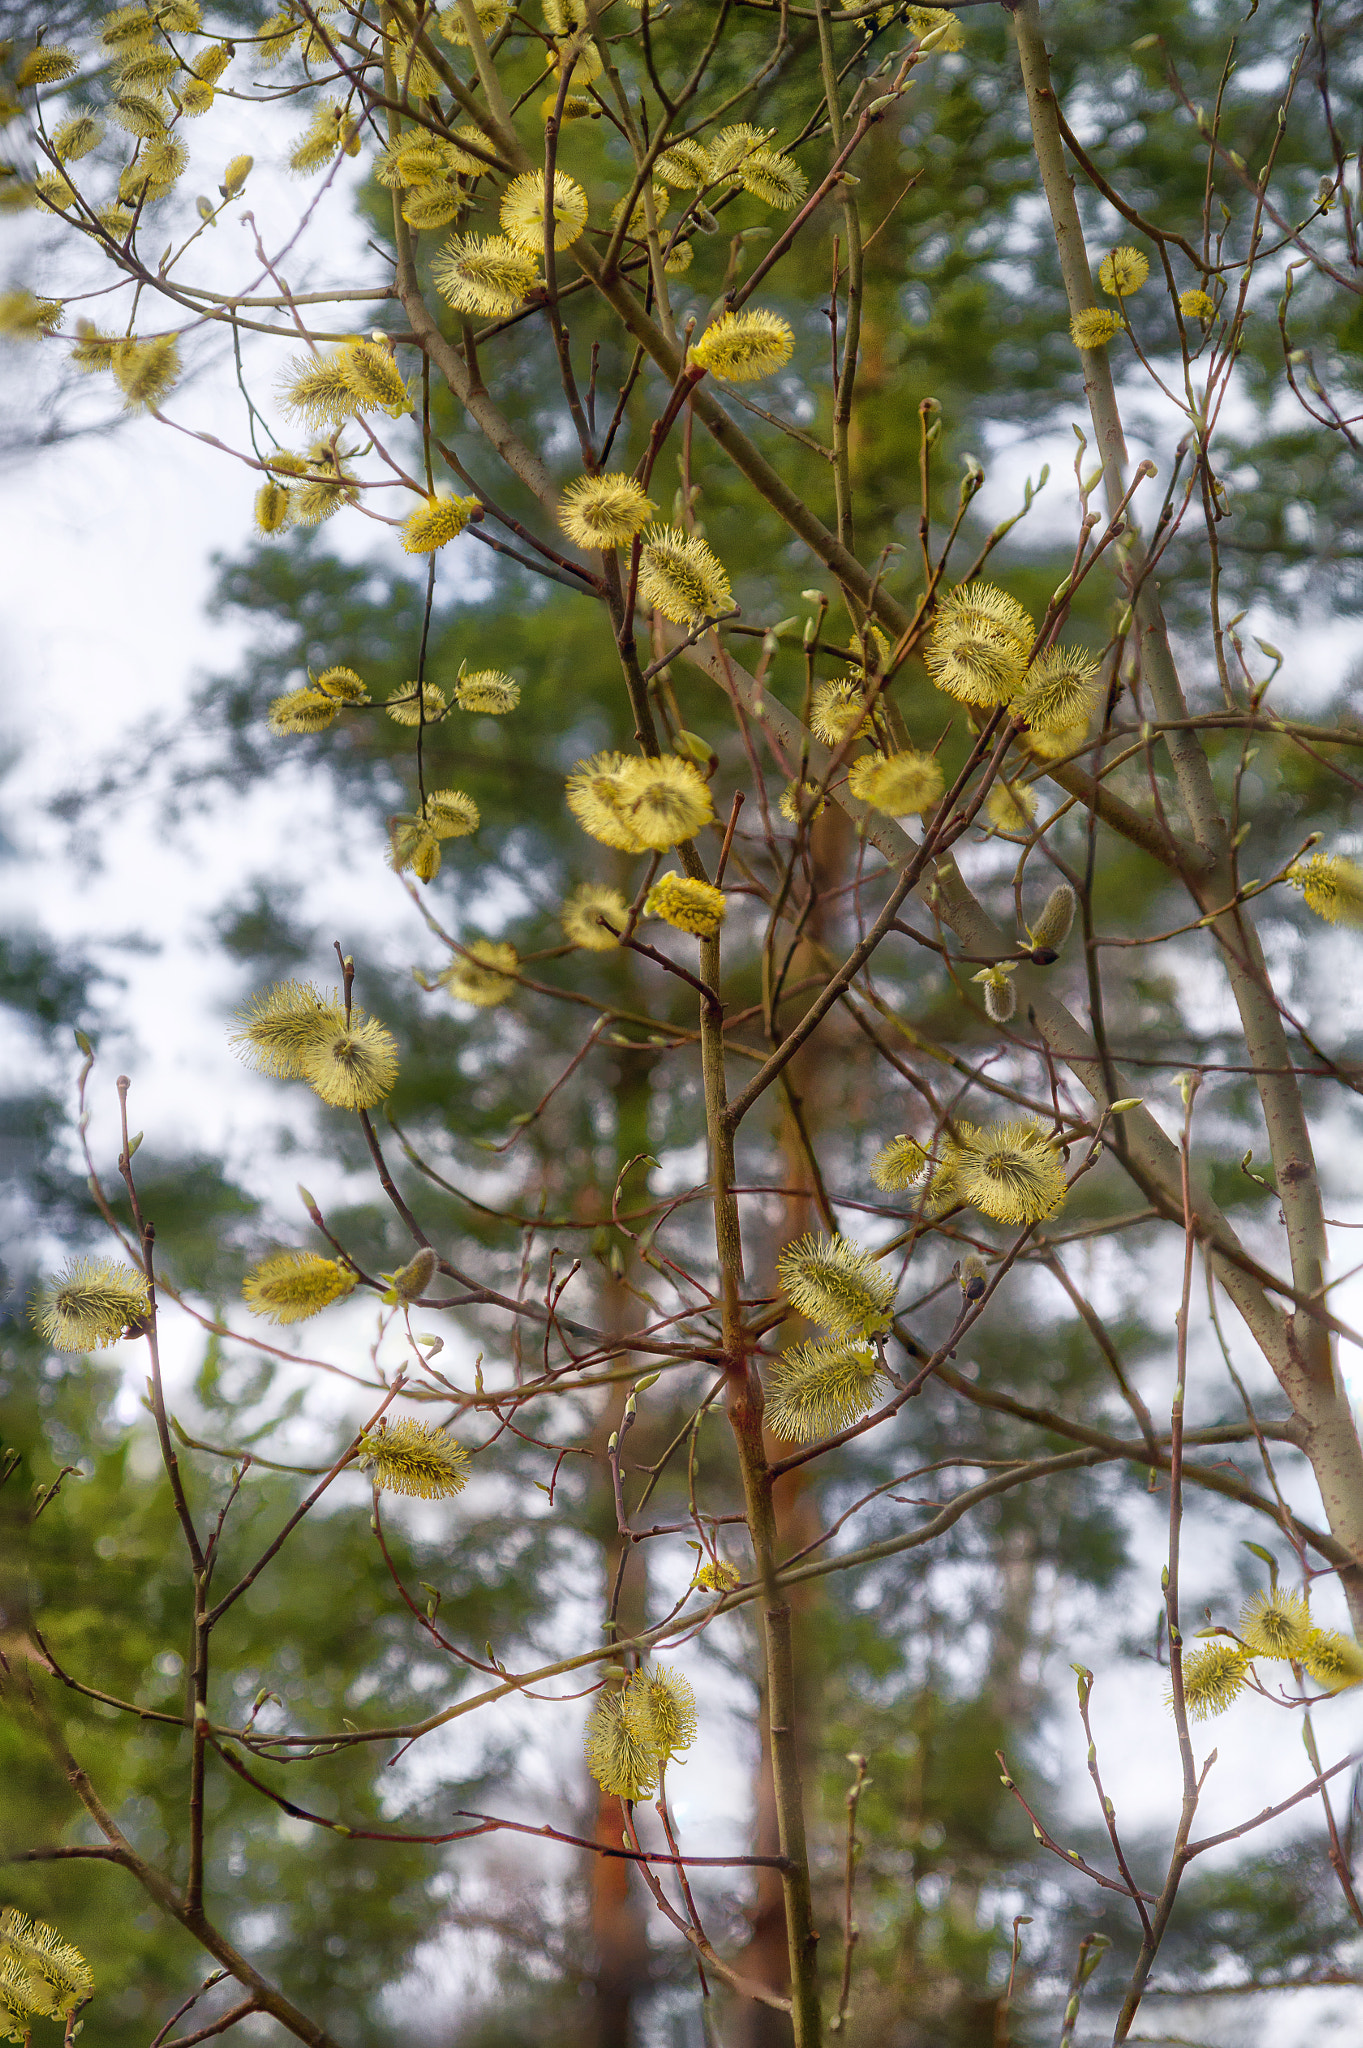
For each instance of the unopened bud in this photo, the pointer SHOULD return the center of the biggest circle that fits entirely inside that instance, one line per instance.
(1052, 928)
(692, 747)
(973, 1275)
(414, 1278)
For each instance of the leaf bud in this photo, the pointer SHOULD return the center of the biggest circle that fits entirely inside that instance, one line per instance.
(692, 747)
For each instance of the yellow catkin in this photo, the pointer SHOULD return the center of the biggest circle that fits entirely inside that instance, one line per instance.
(837, 1284)
(484, 274)
(902, 785)
(1213, 1677)
(1094, 327)
(681, 576)
(604, 511)
(1331, 886)
(487, 690)
(1123, 271)
(353, 1067)
(522, 211)
(90, 1304)
(743, 346)
(622, 1762)
(687, 904)
(272, 505)
(813, 1390)
(1197, 305)
(414, 1458)
(582, 913)
(289, 1287)
(436, 523)
(898, 1164)
(659, 1705)
(484, 976)
(1276, 1624)
(978, 645)
(1011, 1172)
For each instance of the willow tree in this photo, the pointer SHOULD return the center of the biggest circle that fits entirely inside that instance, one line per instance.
(1038, 787)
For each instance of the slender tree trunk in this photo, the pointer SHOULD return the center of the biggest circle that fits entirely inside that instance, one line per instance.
(619, 1935)
(807, 1103)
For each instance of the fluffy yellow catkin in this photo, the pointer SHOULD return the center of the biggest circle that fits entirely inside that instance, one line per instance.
(484, 274)
(903, 785)
(978, 645)
(1011, 1172)
(682, 577)
(582, 914)
(898, 1164)
(620, 1758)
(414, 1458)
(838, 1284)
(604, 511)
(289, 1287)
(813, 1390)
(744, 346)
(659, 1706)
(1094, 327)
(485, 976)
(1213, 1677)
(1331, 886)
(42, 1976)
(635, 804)
(90, 1304)
(522, 211)
(433, 525)
(688, 904)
